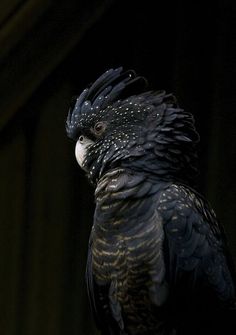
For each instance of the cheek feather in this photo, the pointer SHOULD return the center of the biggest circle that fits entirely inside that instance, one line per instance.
(81, 150)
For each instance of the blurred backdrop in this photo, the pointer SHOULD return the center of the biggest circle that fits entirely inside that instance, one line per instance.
(49, 51)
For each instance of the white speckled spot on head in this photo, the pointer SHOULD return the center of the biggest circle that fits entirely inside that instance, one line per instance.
(81, 149)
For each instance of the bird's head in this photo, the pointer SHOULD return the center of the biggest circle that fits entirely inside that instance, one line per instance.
(116, 122)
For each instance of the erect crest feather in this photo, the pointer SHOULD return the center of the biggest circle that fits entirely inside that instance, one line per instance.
(110, 86)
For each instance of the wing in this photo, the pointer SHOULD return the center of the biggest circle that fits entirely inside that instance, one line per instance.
(104, 312)
(198, 267)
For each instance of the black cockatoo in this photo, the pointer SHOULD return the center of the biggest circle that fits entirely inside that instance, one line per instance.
(158, 261)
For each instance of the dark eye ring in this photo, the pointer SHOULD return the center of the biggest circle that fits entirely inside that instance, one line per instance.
(99, 128)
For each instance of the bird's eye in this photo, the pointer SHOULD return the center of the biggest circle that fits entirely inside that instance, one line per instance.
(99, 128)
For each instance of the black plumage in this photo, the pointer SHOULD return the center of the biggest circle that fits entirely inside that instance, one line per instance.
(158, 261)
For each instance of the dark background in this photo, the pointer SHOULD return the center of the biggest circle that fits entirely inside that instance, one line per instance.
(49, 51)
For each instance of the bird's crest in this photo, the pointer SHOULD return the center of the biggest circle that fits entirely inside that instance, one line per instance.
(110, 86)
